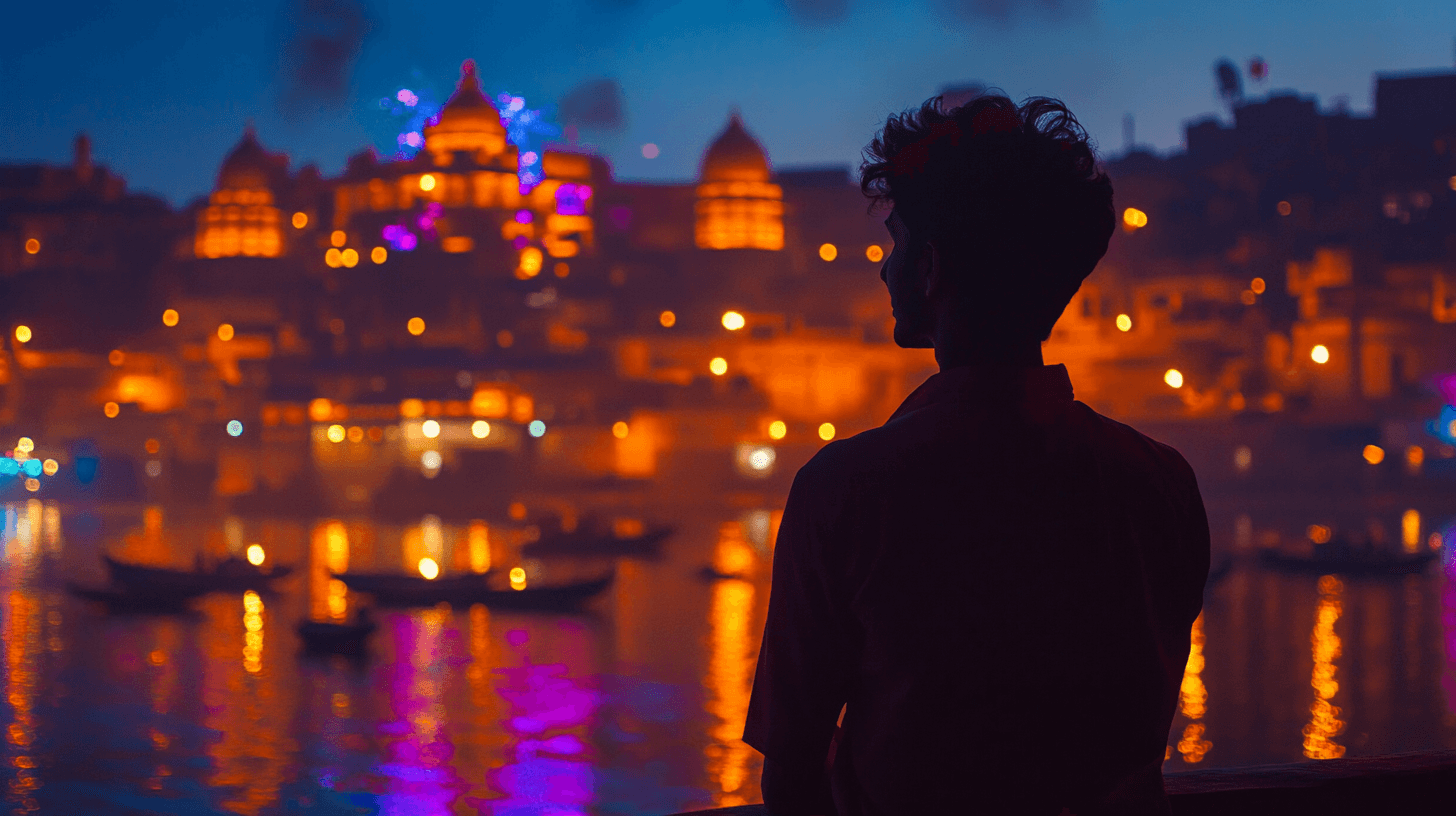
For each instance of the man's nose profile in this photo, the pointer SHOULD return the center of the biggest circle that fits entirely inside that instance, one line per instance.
(996, 545)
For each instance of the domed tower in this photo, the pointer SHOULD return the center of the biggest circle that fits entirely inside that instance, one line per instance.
(467, 123)
(737, 207)
(240, 217)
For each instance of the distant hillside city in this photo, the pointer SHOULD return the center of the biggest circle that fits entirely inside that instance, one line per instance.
(430, 335)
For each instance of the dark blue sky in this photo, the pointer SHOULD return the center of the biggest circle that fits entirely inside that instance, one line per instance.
(165, 88)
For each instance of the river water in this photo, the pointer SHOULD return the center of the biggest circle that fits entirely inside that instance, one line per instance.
(632, 708)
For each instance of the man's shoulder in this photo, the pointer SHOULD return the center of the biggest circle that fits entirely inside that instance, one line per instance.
(1127, 446)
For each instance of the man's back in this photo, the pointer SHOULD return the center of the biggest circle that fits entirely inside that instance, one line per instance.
(999, 583)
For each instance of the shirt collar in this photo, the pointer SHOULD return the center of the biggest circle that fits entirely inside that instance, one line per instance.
(1036, 390)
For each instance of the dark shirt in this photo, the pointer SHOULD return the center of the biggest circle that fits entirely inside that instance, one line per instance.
(997, 586)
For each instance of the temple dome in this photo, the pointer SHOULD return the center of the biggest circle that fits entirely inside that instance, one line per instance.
(248, 166)
(468, 122)
(735, 155)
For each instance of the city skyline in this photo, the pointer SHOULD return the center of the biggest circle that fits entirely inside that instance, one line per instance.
(321, 105)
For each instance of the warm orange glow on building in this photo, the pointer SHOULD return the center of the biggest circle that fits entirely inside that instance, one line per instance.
(737, 206)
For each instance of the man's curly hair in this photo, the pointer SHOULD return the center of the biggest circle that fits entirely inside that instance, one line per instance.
(1011, 195)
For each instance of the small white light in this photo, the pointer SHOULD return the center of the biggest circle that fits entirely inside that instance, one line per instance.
(235, 428)
(537, 428)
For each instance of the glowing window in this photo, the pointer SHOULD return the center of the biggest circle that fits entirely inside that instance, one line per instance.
(170, 317)
(416, 326)
(1173, 377)
(733, 321)
(874, 253)
(225, 332)
(777, 429)
(826, 431)
(1124, 323)
(667, 319)
(1320, 354)
(300, 220)
(338, 238)
(718, 366)
(828, 252)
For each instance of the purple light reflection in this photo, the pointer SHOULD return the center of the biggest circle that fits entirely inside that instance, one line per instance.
(419, 779)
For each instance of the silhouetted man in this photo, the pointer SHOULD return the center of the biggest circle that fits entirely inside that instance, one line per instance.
(996, 586)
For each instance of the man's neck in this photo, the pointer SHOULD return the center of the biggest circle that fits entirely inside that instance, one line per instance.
(953, 355)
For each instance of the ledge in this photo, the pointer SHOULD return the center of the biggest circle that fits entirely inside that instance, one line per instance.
(1396, 783)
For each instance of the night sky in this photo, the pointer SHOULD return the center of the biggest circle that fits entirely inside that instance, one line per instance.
(165, 88)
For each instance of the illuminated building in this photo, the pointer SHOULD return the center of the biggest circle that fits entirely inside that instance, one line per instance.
(241, 217)
(737, 206)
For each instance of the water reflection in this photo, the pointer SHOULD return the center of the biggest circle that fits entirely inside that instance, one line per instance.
(634, 708)
(1325, 723)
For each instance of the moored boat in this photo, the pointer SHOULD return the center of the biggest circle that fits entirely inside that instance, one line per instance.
(410, 590)
(231, 574)
(121, 598)
(346, 637)
(1348, 561)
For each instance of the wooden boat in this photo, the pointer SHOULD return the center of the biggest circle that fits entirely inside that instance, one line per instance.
(351, 637)
(1348, 561)
(412, 590)
(588, 541)
(231, 574)
(134, 599)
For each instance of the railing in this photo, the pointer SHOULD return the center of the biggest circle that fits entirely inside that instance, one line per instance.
(1397, 784)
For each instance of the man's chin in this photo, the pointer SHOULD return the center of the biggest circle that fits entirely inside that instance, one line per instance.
(906, 340)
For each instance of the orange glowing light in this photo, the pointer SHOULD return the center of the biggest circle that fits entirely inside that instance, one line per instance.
(480, 429)
(1320, 354)
(416, 326)
(561, 269)
(116, 357)
(22, 334)
(826, 431)
(620, 430)
(1248, 297)
(733, 321)
(1410, 530)
(828, 252)
(111, 409)
(336, 433)
(153, 446)
(718, 366)
(25, 444)
(338, 238)
(225, 332)
(379, 255)
(256, 555)
(32, 246)
(1318, 533)
(504, 338)
(349, 258)
(170, 317)
(1374, 454)
(300, 220)
(1285, 208)
(1415, 456)
(518, 578)
(874, 253)
(1124, 323)
(319, 410)
(334, 258)
(1134, 219)
(428, 568)
(430, 428)
(516, 511)
(50, 466)
(411, 408)
(1173, 377)
(529, 265)
(32, 485)
(1258, 286)
(667, 319)
(355, 434)
(777, 429)
(427, 182)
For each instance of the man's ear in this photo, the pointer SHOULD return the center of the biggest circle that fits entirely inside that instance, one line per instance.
(931, 270)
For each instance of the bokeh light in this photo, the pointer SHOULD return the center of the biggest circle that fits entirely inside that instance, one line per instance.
(537, 428)
(336, 433)
(430, 428)
(429, 569)
(1374, 454)
(777, 429)
(427, 182)
(111, 409)
(379, 255)
(874, 253)
(650, 151)
(338, 238)
(32, 246)
(1173, 377)
(1134, 219)
(256, 556)
(416, 326)
(826, 431)
(300, 220)
(480, 429)
(1124, 323)
(170, 317)
(718, 366)
(1320, 354)
(828, 252)
(23, 334)
(733, 321)
(234, 428)
(225, 332)
(667, 319)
